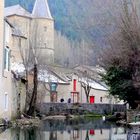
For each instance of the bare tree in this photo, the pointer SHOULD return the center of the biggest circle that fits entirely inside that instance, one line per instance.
(87, 89)
(85, 83)
(71, 52)
(124, 42)
(30, 53)
(124, 54)
(34, 45)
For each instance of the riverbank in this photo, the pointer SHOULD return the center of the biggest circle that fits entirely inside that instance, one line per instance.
(26, 122)
(69, 116)
(35, 121)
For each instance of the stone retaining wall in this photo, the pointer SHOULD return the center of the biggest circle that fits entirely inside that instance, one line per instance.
(59, 108)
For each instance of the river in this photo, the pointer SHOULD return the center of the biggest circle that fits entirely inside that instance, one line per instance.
(83, 129)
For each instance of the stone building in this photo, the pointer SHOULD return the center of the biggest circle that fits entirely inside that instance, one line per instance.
(72, 91)
(21, 30)
(37, 27)
(64, 85)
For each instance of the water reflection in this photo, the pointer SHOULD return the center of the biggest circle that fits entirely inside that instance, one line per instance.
(79, 134)
(70, 130)
(134, 134)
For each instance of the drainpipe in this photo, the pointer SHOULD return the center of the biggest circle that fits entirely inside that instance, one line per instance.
(3, 47)
(81, 93)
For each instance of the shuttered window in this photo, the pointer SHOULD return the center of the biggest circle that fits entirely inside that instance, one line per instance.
(74, 85)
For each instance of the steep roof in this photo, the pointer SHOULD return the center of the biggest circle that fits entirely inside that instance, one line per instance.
(41, 9)
(47, 76)
(55, 72)
(93, 84)
(16, 10)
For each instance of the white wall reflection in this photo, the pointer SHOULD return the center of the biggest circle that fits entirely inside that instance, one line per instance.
(92, 134)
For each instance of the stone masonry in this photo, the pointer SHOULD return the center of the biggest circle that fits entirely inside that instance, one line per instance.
(60, 108)
(131, 114)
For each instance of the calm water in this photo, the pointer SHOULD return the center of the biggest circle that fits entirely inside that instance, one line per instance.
(70, 130)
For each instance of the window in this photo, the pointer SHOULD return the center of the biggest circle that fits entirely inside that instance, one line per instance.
(75, 134)
(45, 28)
(45, 45)
(101, 132)
(7, 58)
(6, 102)
(101, 99)
(53, 86)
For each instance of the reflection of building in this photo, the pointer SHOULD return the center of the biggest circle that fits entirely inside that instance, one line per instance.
(53, 136)
(133, 136)
(75, 134)
(118, 133)
(6, 135)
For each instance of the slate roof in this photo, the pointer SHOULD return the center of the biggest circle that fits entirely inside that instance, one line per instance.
(56, 72)
(47, 76)
(16, 10)
(93, 84)
(93, 80)
(41, 9)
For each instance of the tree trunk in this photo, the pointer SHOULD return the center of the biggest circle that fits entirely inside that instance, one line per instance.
(87, 89)
(19, 101)
(26, 85)
(87, 93)
(87, 96)
(18, 108)
(32, 105)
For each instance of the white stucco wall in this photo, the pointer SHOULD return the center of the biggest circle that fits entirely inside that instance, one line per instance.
(1, 33)
(34, 30)
(1, 48)
(8, 93)
(5, 76)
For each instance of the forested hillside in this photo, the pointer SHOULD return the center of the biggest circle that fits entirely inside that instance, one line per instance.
(79, 19)
(82, 25)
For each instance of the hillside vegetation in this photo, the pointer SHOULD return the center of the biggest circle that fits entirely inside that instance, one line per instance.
(79, 19)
